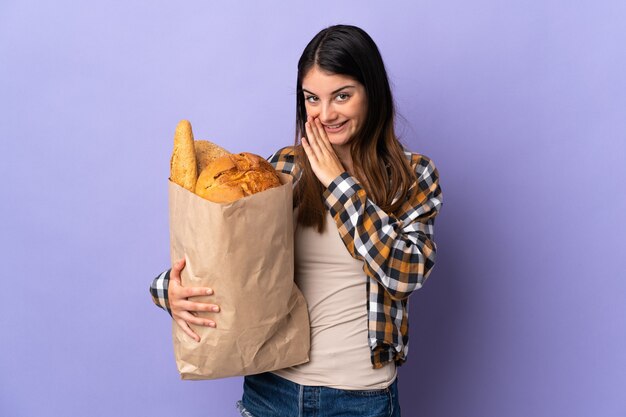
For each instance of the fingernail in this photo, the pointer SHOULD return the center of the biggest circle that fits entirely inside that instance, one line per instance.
(216, 308)
(211, 324)
(209, 292)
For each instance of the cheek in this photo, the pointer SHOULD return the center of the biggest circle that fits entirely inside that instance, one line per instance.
(357, 120)
(360, 120)
(310, 111)
(357, 113)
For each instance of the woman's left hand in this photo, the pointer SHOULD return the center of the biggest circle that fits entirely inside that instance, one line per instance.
(322, 157)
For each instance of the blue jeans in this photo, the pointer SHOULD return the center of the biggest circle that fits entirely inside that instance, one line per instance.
(268, 395)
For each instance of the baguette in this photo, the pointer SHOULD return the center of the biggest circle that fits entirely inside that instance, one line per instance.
(183, 165)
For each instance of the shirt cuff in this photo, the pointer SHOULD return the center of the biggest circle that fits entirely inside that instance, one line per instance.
(158, 290)
(339, 191)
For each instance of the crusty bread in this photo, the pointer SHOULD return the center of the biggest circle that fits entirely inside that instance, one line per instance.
(183, 167)
(207, 152)
(234, 176)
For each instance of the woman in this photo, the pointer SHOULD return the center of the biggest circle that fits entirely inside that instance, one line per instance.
(365, 212)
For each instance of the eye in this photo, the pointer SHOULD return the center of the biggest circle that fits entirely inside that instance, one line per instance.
(308, 97)
(344, 95)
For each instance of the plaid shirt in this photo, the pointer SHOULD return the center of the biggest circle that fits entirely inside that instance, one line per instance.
(397, 250)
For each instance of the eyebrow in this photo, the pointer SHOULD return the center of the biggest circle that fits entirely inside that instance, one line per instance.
(336, 91)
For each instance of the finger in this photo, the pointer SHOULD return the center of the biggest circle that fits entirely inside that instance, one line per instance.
(178, 302)
(176, 268)
(179, 298)
(183, 325)
(187, 317)
(193, 306)
(325, 142)
(312, 139)
(195, 291)
(317, 131)
(310, 131)
(180, 264)
(322, 139)
(308, 151)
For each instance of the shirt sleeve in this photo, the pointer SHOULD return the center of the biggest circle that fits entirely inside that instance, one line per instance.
(398, 250)
(158, 290)
(284, 160)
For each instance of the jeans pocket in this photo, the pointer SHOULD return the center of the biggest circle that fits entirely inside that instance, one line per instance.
(367, 403)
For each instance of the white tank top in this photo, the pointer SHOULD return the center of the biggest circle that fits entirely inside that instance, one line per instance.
(334, 286)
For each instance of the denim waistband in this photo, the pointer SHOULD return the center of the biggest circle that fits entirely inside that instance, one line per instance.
(269, 395)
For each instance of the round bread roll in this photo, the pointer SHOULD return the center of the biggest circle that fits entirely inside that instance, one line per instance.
(235, 176)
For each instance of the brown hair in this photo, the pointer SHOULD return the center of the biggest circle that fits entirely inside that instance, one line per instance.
(377, 155)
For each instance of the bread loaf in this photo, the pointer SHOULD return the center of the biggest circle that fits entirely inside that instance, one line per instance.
(207, 152)
(234, 176)
(183, 167)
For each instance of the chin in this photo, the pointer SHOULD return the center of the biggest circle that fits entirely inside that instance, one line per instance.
(339, 141)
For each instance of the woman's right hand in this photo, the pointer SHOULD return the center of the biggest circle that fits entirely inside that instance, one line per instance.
(183, 310)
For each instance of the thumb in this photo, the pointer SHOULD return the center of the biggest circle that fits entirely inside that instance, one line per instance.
(176, 268)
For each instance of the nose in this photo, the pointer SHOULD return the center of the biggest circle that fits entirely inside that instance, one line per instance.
(327, 113)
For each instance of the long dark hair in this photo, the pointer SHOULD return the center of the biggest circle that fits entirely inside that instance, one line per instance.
(376, 152)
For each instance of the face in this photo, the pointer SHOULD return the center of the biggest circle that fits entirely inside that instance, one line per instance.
(338, 100)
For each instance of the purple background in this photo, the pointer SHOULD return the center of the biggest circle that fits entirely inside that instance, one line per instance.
(521, 105)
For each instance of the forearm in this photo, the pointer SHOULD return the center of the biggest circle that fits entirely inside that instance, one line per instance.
(398, 251)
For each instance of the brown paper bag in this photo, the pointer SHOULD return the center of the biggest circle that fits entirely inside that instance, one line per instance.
(244, 252)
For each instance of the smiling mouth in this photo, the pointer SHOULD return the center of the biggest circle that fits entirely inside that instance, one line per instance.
(335, 127)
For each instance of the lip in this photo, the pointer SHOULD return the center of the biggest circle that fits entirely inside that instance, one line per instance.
(339, 129)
